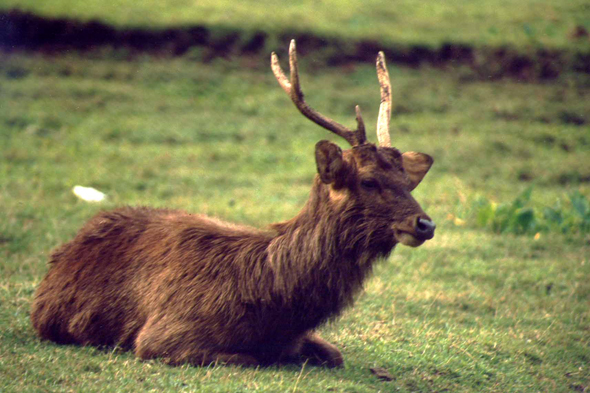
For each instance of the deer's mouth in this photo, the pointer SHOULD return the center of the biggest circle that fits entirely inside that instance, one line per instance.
(414, 232)
(407, 239)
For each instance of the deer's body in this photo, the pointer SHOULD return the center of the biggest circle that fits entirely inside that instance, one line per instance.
(229, 289)
(188, 288)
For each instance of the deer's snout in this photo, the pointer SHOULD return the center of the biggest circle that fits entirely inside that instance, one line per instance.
(415, 230)
(424, 228)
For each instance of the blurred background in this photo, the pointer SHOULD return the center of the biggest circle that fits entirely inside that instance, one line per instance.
(172, 103)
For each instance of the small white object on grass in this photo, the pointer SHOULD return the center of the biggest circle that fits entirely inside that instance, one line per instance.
(88, 194)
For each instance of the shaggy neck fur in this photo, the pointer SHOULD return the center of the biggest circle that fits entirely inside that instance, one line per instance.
(321, 257)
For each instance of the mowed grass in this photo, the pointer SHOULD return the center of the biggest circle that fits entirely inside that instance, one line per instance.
(468, 311)
(551, 24)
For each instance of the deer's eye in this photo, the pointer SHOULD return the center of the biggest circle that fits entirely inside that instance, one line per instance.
(370, 184)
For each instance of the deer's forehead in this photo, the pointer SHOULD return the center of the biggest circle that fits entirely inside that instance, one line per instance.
(371, 158)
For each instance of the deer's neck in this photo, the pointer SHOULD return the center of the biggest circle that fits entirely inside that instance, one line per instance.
(321, 257)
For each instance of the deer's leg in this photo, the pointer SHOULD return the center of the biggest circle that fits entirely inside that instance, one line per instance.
(204, 358)
(178, 346)
(315, 350)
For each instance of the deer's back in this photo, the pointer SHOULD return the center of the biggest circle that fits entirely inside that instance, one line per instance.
(127, 265)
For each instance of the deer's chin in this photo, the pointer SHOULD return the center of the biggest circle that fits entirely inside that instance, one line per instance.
(407, 240)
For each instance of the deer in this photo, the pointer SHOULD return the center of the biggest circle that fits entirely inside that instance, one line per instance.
(188, 288)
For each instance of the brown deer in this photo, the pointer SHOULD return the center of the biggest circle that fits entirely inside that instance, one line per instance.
(188, 288)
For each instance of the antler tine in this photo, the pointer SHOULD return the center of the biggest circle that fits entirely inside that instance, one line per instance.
(360, 125)
(385, 108)
(276, 69)
(293, 89)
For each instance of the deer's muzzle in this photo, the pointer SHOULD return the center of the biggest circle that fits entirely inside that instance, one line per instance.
(425, 228)
(414, 230)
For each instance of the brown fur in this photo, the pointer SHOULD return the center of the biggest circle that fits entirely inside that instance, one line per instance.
(188, 288)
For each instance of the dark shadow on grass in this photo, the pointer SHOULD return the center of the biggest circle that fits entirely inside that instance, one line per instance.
(23, 31)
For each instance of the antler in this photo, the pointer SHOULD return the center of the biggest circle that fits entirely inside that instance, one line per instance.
(385, 108)
(293, 89)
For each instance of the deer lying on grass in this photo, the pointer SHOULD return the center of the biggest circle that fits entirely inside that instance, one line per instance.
(188, 288)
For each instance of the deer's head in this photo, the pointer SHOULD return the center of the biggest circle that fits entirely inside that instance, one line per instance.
(375, 181)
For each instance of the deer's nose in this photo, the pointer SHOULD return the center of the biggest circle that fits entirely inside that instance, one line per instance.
(425, 228)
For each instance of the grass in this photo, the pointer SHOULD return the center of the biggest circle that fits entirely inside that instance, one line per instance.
(569, 216)
(531, 23)
(471, 310)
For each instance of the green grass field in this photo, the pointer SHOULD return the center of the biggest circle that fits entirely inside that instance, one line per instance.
(471, 310)
(529, 23)
(481, 307)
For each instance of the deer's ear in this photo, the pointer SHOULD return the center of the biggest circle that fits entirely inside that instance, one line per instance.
(416, 166)
(328, 158)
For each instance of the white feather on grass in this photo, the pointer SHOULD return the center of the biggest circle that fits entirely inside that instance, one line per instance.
(88, 194)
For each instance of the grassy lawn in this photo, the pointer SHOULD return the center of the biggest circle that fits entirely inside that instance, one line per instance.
(528, 23)
(472, 310)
